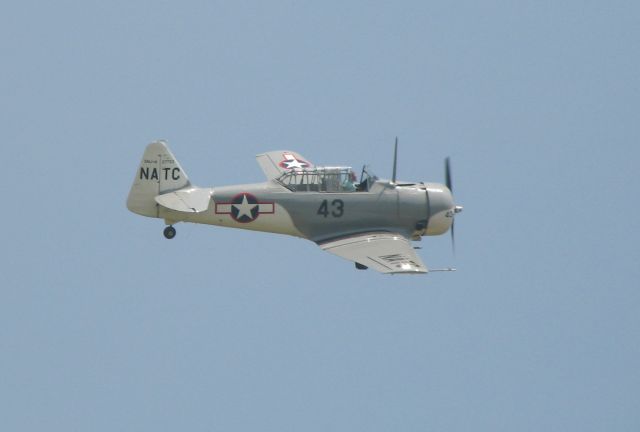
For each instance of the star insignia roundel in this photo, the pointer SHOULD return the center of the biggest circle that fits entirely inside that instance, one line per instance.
(290, 162)
(244, 207)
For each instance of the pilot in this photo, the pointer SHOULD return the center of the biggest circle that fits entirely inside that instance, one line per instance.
(349, 183)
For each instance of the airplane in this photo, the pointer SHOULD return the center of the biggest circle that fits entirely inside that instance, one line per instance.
(369, 221)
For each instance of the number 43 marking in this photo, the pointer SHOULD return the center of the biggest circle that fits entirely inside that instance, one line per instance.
(337, 208)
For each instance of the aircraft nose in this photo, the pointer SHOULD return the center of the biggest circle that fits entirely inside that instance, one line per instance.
(441, 209)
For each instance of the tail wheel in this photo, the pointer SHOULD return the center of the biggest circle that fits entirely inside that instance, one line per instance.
(169, 232)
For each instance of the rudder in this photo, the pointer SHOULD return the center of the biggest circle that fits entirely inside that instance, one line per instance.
(159, 172)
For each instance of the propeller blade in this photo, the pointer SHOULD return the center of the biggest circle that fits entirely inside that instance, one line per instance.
(395, 162)
(453, 236)
(447, 174)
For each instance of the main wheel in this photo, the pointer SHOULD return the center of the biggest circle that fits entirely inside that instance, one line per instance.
(170, 232)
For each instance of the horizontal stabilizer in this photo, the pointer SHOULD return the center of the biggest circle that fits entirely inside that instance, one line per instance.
(186, 200)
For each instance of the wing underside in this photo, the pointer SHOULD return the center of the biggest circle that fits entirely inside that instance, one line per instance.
(383, 252)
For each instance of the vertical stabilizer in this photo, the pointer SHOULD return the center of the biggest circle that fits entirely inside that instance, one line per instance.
(159, 172)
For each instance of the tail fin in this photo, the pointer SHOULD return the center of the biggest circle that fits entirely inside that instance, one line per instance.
(159, 172)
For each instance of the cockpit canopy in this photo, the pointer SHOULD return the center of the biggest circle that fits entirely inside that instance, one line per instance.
(325, 179)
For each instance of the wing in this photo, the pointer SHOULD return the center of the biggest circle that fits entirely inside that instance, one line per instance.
(274, 163)
(381, 251)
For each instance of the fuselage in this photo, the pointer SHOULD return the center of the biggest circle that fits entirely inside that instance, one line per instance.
(410, 209)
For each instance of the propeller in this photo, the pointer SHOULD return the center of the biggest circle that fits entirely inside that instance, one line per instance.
(447, 180)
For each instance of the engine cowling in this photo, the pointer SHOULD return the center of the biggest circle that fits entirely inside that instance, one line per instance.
(440, 209)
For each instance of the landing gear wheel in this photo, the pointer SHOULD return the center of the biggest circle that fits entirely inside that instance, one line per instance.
(170, 232)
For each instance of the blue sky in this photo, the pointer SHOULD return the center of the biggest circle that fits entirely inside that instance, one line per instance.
(106, 325)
